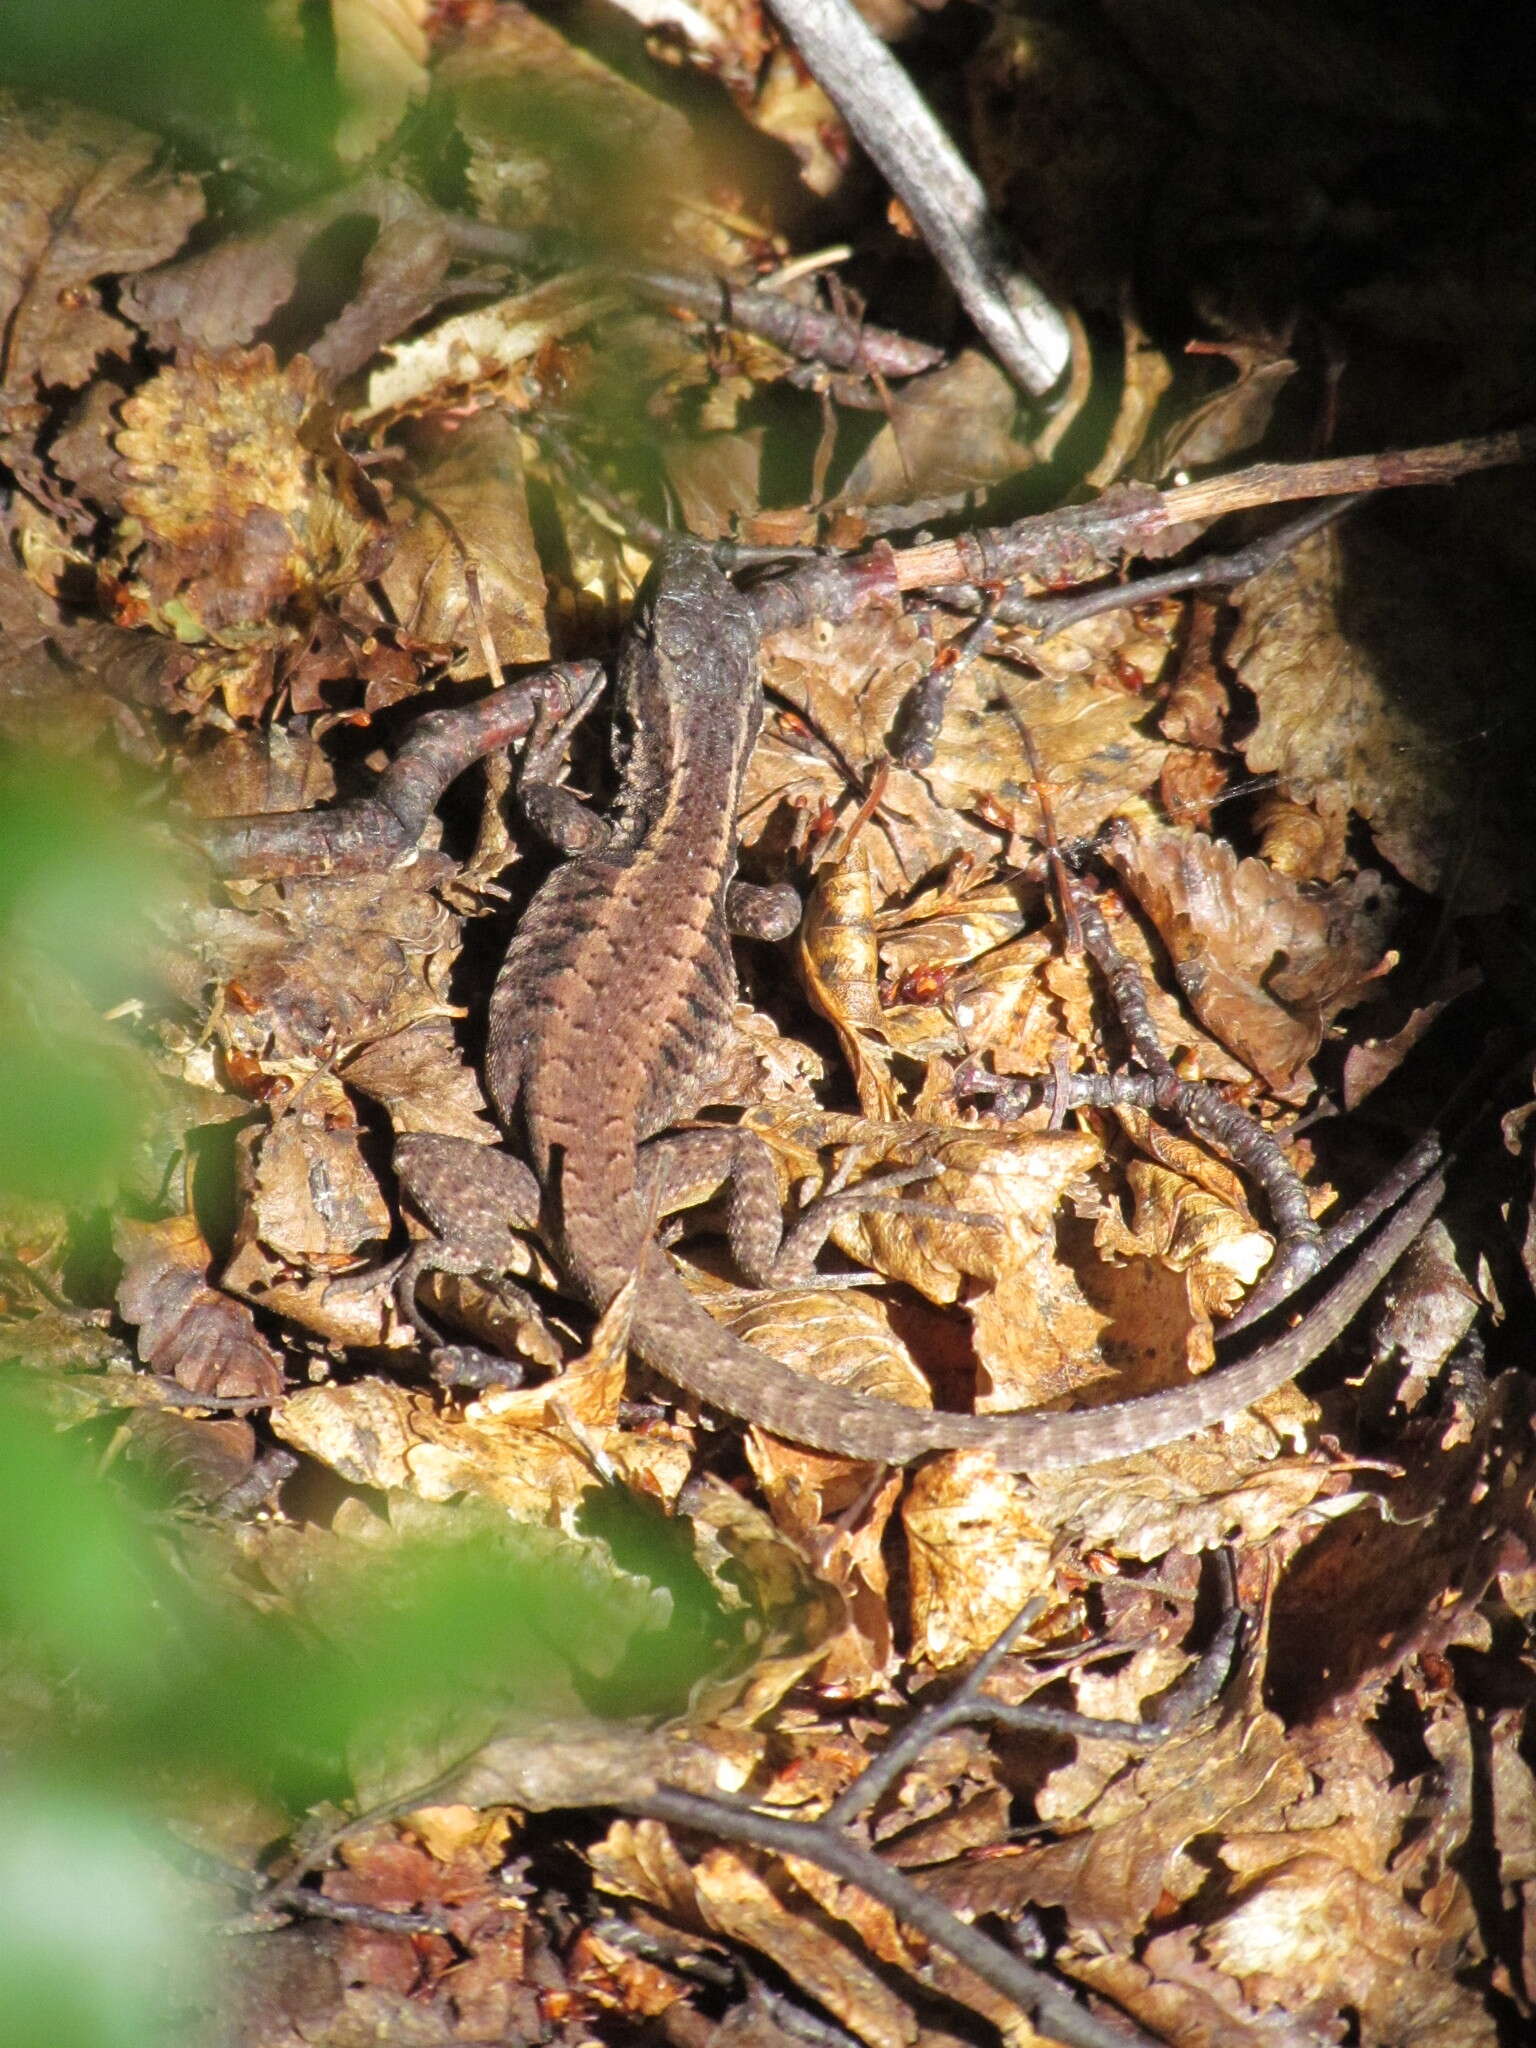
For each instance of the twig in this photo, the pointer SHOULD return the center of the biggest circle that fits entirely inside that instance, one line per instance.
(1084, 540)
(1047, 615)
(969, 1704)
(1050, 2007)
(934, 183)
(809, 332)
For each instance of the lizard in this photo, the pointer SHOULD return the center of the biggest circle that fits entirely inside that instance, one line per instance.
(606, 1021)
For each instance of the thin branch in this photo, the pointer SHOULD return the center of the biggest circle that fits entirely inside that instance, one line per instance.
(1052, 2009)
(934, 183)
(1083, 541)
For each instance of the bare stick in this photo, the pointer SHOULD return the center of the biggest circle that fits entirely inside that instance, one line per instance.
(1084, 540)
(1033, 1991)
(934, 183)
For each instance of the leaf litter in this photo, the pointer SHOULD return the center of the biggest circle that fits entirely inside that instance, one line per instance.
(249, 524)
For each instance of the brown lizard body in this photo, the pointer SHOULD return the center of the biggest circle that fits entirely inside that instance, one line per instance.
(606, 1022)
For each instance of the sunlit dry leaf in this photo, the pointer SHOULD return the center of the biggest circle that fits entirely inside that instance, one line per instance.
(241, 508)
(381, 65)
(848, 683)
(362, 1431)
(1315, 1933)
(538, 1453)
(827, 1507)
(1298, 839)
(1374, 698)
(722, 1894)
(1096, 755)
(78, 203)
(1129, 1687)
(420, 1077)
(467, 505)
(313, 1202)
(1139, 1846)
(1021, 1179)
(837, 1337)
(840, 965)
(373, 1433)
(1265, 965)
(483, 351)
(977, 1555)
(1228, 1484)
(1191, 1213)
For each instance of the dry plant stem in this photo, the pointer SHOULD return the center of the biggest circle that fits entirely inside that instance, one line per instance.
(386, 825)
(1085, 540)
(1048, 615)
(1054, 2011)
(809, 332)
(804, 331)
(968, 1703)
(934, 183)
(1202, 1109)
(1194, 1103)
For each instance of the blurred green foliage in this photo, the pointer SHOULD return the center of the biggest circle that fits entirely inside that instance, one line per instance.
(81, 880)
(134, 1685)
(217, 71)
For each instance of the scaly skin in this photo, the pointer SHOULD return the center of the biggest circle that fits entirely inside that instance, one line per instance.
(605, 1022)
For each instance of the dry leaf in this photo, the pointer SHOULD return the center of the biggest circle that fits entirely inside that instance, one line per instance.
(1265, 965)
(242, 511)
(79, 202)
(187, 1327)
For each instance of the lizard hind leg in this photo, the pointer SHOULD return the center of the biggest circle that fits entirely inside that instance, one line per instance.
(478, 1201)
(682, 1167)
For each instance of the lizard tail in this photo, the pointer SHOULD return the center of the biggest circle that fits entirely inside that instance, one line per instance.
(679, 1340)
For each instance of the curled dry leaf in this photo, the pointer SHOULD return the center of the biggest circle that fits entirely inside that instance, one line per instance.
(1265, 965)
(468, 507)
(826, 1506)
(79, 202)
(721, 1893)
(840, 967)
(187, 1328)
(481, 353)
(242, 511)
